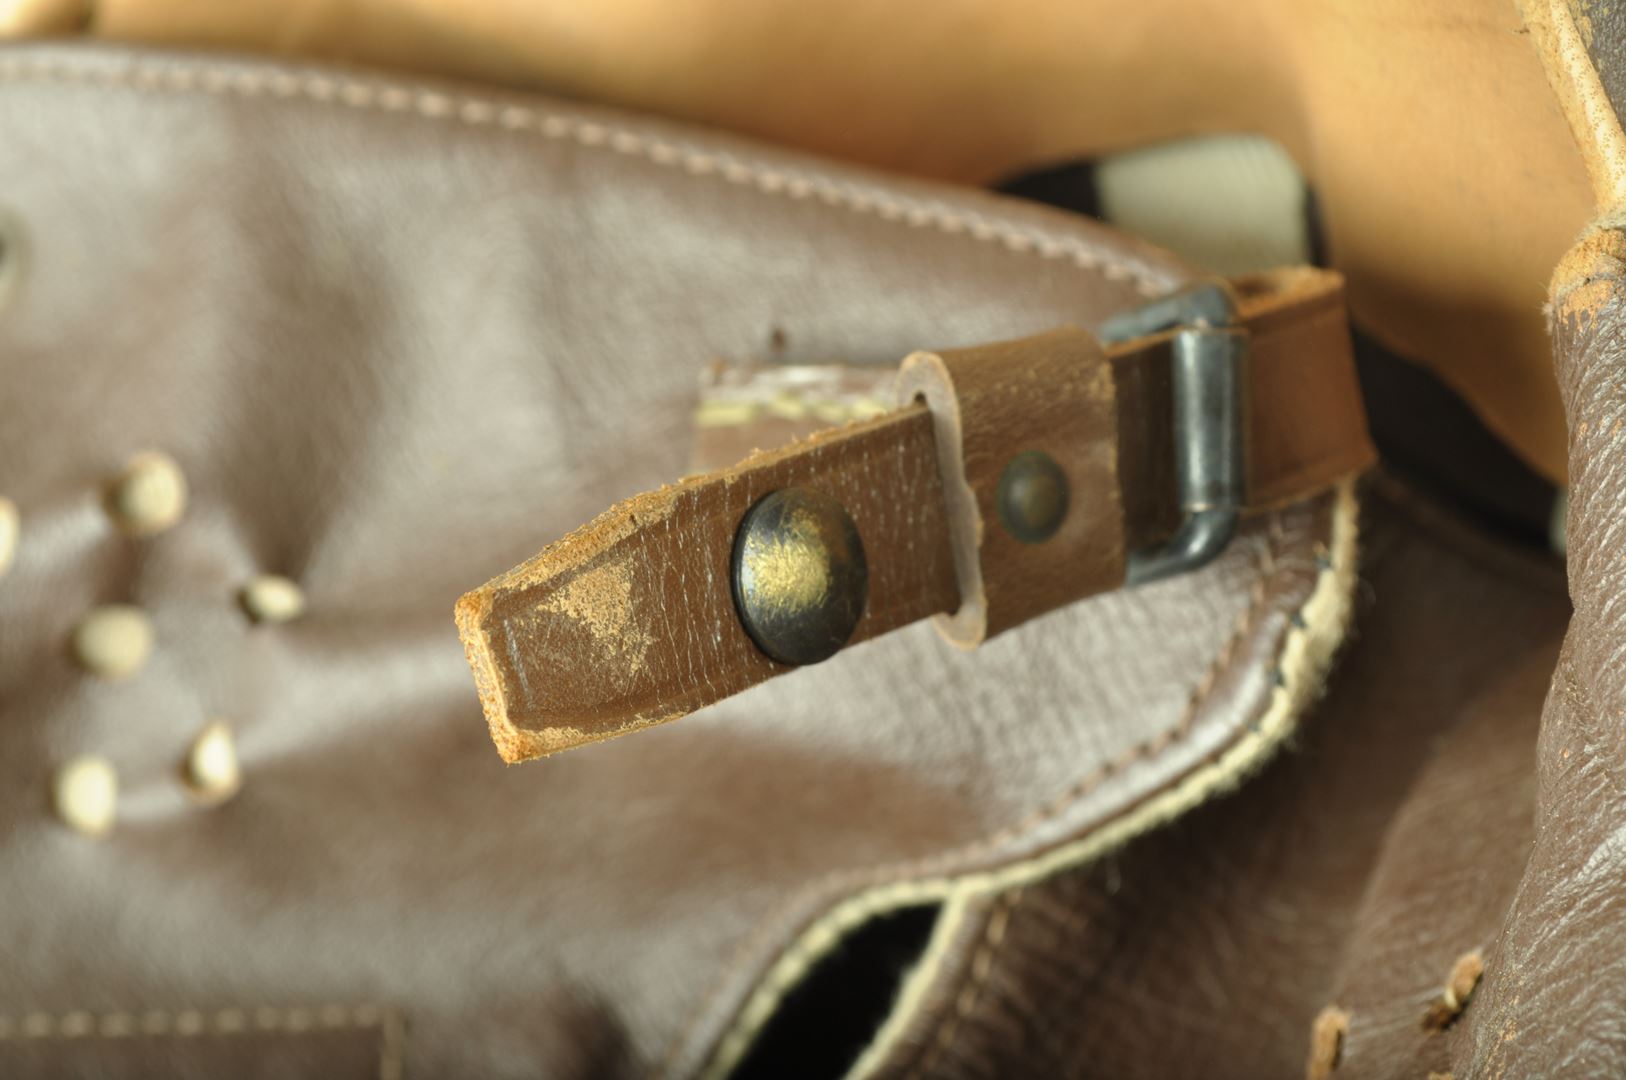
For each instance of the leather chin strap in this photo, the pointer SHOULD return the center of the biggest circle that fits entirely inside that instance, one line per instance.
(630, 621)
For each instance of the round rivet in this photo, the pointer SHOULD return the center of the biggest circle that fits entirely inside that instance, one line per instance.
(113, 641)
(85, 792)
(10, 528)
(271, 598)
(211, 764)
(800, 578)
(1032, 497)
(149, 495)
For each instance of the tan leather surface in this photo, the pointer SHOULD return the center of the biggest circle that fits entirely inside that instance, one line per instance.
(629, 621)
(1420, 124)
(1353, 872)
(396, 337)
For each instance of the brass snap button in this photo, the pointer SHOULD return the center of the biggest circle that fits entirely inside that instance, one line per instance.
(799, 575)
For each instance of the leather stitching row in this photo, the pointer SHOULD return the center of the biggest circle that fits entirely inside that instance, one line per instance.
(195, 1023)
(982, 964)
(474, 111)
(1146, 750)
(796, 185)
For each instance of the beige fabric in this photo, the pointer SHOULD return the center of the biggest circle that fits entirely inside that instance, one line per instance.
(1449, 180)
(1229, 203)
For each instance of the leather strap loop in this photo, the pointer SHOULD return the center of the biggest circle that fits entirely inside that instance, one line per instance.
(629, 621)
(1055, 394)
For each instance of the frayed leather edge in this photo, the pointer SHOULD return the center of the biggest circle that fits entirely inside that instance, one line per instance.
(1581, 96)
(1303, 662)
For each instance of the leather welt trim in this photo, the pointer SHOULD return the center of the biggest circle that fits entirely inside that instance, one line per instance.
(786, 945)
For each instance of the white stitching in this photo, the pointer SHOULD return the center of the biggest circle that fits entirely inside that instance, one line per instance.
(192, 1023)
(477, 112)
(971, 989)
(1151, 747)
(1297, 635)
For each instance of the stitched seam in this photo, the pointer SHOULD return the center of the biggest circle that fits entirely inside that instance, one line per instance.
(472, 111)
(982, 964)
(1144, 750)
(194, 1023)
(795, 185)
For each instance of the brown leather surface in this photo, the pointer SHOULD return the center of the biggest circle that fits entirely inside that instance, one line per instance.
(1054, 394)
(337, 1042)
(394, 336)
(1603, 32)
(1418, 122)
(629, 621)
(1554, 1001)
(1353, 871)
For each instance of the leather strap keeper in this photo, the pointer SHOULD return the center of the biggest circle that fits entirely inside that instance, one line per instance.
(630, 620)
(1054, 394)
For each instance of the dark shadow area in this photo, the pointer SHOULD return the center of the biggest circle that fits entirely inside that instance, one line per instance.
(828, 1018)
(1070, 187)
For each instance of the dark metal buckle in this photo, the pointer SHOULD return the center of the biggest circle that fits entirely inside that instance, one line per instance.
(1208, 357)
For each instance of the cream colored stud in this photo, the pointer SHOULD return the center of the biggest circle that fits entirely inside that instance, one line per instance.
(211, 765)
(85, 792)
(271, 598)
(113, 641)
(10, 527)
(149, 495)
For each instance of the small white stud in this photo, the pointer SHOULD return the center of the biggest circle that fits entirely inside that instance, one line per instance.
(149, 495)
(113, 641)
(211, 765)
(86, 792)
(271, 598)
(10, 527)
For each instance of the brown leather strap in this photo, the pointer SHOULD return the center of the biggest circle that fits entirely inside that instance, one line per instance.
(630, 620)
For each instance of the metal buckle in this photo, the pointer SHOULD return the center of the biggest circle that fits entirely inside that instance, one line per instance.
(1208, 359)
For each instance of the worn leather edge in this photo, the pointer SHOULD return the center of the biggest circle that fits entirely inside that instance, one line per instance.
(1303, 660)
(1581, 96)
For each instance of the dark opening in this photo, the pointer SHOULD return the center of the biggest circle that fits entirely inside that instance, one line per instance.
(827, 1019)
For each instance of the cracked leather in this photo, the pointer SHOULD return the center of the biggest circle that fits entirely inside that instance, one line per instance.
(397, 336)
(357, 312)
(1553, 1002)
(1425, 814)
(1353, 871)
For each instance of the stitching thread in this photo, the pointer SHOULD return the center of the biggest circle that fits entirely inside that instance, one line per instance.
(472, 111)
(981, 965)
(1146, 749)
(796, 185)
(191, 1023)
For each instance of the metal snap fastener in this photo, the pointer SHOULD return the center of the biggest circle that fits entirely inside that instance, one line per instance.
(799, 574)
(1032, 497)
